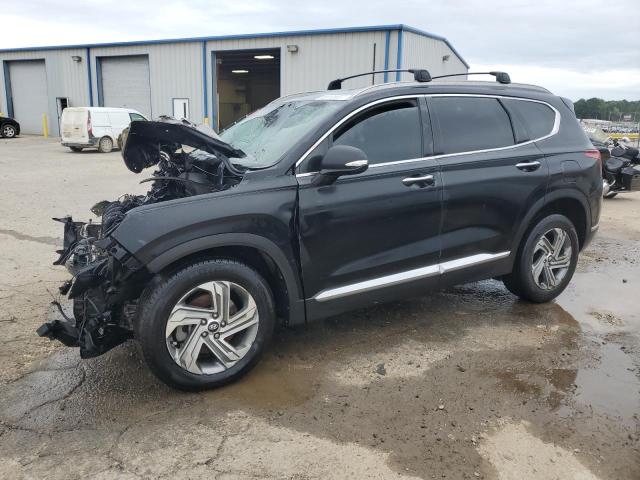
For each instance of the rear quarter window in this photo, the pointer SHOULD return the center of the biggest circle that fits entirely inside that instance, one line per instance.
(538, 118)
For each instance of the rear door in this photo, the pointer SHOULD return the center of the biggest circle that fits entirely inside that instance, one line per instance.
(374, 236)
(74, 125)
(492, 173)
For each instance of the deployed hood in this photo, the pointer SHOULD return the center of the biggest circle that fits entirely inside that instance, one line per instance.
(143, 142)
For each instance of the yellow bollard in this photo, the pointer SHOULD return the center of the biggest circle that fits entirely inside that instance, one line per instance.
(206, 121)
(45, 126)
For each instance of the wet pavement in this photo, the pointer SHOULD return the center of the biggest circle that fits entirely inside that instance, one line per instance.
(466, 383)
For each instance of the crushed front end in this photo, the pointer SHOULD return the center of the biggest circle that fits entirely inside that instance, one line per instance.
(107, 280)
(106, 283)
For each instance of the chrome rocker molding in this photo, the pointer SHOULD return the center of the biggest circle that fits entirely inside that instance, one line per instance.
(408, 276)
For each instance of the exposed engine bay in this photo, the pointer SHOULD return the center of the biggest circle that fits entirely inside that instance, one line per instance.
(107, 280)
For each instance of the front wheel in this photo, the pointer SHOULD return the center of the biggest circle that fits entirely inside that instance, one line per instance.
(206, 325)
(546, 260)
(105, 145)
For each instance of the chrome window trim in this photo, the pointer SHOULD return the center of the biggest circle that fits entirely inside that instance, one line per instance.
(554, 130)
(408, 276)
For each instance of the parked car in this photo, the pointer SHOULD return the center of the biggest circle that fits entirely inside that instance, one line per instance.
(321, 203)
(95, 127)
(9, 127)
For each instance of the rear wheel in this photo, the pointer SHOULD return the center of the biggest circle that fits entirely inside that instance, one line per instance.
(546, 261)
(105, 145)
(76, 149)
(206, 325)
(8, 131)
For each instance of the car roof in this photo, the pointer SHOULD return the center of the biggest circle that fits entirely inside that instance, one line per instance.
(103, 109)
(435, 86)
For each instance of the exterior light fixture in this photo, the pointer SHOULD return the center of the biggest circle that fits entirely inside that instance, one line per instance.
(239, 71)
(445, 58)
(292, 48)
(264, 57)
(76, 58)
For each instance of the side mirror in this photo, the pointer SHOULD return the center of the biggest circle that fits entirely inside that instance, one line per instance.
(340, 160)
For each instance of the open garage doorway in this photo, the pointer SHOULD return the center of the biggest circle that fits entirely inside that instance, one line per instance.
(245, 81)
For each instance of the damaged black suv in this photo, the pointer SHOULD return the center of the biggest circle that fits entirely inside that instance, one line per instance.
(321, 203)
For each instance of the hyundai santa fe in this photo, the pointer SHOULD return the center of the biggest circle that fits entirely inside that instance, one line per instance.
(321, 203)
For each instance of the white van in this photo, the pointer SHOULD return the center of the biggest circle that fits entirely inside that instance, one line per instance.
(100, 127)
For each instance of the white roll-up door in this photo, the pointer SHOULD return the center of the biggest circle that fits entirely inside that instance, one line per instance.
(28, 79)
(125, 83)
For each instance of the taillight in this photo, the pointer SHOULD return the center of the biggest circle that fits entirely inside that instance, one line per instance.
(594, 154)
(89, 131)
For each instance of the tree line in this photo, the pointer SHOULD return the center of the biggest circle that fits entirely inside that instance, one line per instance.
(613, 110)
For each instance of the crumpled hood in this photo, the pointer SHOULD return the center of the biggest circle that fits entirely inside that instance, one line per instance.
(145, 139)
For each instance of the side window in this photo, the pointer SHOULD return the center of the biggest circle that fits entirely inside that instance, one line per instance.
(538, 118)
(386, 133)
(135, 117)
(471, 123)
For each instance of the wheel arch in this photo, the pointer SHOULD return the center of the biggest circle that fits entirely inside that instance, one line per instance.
(257, 252)
(571, 204)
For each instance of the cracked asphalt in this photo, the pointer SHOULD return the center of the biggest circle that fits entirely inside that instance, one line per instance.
(465, 383)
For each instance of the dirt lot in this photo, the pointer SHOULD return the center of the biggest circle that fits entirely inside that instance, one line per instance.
(467, 383)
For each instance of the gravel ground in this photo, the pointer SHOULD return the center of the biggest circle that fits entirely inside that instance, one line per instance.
(466, 383)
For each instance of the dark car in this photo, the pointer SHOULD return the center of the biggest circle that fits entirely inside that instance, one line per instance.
(321, 203)
(9, 128)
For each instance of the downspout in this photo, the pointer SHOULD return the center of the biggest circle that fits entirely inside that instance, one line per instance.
(387, 39)
(204, 83)
(89, 77)
(399, 55)
(7, 88)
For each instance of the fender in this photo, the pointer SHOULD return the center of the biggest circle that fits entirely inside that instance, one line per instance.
(573, 194)
(262, 244)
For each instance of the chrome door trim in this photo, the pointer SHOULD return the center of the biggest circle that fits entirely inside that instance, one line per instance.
(408, 276)
(554, 130)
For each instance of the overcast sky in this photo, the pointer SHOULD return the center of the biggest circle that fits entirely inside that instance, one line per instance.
(577, 49)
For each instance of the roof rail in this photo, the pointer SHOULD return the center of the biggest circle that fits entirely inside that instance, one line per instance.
(501, 77)
(418, 75)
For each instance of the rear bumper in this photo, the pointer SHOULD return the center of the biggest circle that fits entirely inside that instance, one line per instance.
(91, 143)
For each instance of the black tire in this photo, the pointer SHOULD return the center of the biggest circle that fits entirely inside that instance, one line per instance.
(521, 281)
(76, 149)
(105, 145)
(8, 131)
(157, 303)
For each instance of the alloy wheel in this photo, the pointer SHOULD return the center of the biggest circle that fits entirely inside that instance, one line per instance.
(212, 327)
(8, 131)
(551, 259)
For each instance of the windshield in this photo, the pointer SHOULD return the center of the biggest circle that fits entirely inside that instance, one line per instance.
(267, 134)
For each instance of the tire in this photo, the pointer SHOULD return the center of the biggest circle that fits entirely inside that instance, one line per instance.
(168, 346)
(8, 131)
(105, 145)
(534, 251)
(610, 195)
(76, 149)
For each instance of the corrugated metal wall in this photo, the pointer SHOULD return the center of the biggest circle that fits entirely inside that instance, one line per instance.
(176, 68)
(175, 71)
(65, 78)
(423, 52)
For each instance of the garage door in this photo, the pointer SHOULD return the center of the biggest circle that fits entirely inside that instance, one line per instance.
(125, 83)
(28, 81)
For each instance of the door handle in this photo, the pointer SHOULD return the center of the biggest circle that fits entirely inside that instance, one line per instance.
(528, 166)
(422, 179)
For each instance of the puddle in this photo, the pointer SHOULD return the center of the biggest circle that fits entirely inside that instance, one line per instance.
(612, 387)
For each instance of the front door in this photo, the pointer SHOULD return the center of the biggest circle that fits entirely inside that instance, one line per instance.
(374, 236)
